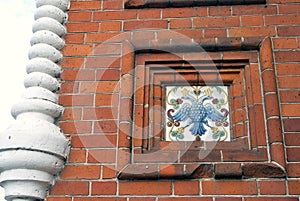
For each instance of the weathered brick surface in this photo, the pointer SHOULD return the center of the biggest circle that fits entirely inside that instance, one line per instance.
(98, 101)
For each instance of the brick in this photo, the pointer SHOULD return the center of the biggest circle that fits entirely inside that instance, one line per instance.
(124, 135)
(285, 43)
(70, 188)
(274, 130)
(293, 170)
(289, 8)
(184, 12)
(252, 21)
(79, 16)
(107, 100)
(215, 32)
(271, 102)
(293, 187)
(148, 24)
(228, 170)
(269, 81)
(210, 22)
(58, 199)
(109, 172)
(110, 26)
(180, 23)
(272, 187)
(126, 110)
(257, 121)
(171, 171)
(77, 50)
(108, 49)
(103, 62)
(107, 75)
(145, 188)
(99, 87)
(149, 14)
(76, 127)
(290, 110)
(282, 20)
(293, 154)
(101, 198)
(99, 113)
(127, 86)
(288, 56)
(81, 172)
(251, 32)
(190, 34)
(186, 188)
(228, 199)
(100, 37)
(76, 100)
(289, 96)
(277, 154)
(254, 10)
(78, 75)
(229, 188)
(94, 141)
(142, 199)
(237, 156)
(219, 11)
(72, 63)
(289, 82)
(256, 88)
(288, 30)
(77, 156)
(288, 69)
(69, 87)
(272, 198)
(71, 114)
(185, 199)
(108, 126)
(238, 116)
(140, 171)
(115, 15)
(143, 35)
(83, 27)
(104, 188)
(263, 170)
(85, 5)
(77, 38)
(102, 156)
(292, 139)
(291, 125)
(112, 5)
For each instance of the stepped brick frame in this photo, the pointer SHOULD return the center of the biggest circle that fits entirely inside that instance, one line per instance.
(252, 61)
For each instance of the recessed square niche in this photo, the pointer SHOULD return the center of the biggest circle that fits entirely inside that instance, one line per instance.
(197, 113)
(240, 125)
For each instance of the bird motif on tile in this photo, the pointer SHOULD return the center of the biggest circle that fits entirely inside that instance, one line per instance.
(196, 113)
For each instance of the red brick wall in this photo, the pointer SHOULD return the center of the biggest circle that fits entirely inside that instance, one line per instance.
(98, 106)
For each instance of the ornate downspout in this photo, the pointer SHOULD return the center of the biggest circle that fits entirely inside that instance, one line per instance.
(33, 150)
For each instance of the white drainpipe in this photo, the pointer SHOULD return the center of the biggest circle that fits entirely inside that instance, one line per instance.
(33, 149)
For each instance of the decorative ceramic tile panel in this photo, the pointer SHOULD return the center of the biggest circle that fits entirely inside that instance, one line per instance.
(195, 113)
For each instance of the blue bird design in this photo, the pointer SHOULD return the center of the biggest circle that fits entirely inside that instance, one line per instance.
(196, 113)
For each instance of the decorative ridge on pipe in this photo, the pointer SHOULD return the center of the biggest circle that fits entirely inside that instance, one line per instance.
(33, 149)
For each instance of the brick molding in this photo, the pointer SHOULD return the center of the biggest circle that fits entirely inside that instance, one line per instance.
(241, 153)
(137, 4)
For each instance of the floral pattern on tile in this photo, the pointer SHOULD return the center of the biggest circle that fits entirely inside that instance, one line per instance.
(197, 113)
